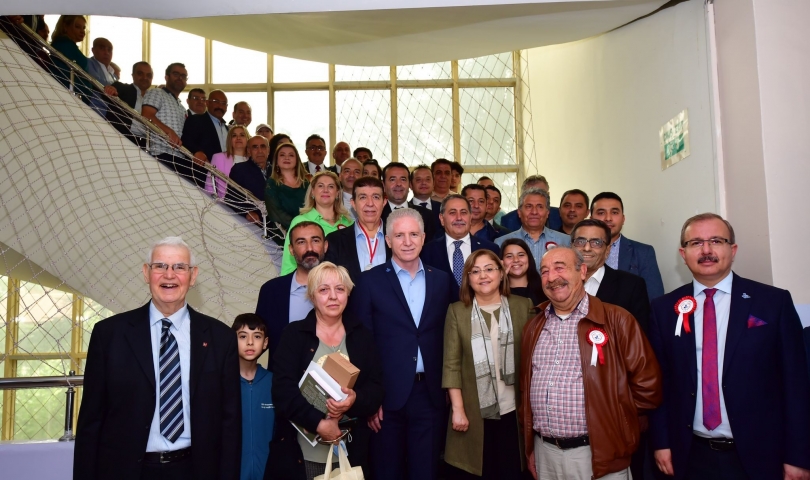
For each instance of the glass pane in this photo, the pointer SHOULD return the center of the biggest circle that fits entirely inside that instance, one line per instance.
(425, 119)
(364, 120)
(347, 73)
(289, 70)
(238, 65)
(425, 71)
(93, 313)
(300, 114)
(39, 413)
(506, 183)
(169, 46)
(258, 107)
(45, 319)
(126, 35)
(487, 126)
(491, 66)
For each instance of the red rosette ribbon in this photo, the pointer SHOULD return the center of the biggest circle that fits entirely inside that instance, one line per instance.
(598, 338)
(550, 245)
(683, 308)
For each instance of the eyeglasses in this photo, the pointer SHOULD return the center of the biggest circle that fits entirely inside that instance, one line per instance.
(164, 267)
(595, 242)
(196, 98)
(478, 271)
(714, 242)
(179, 75)
(219, 102)
(316, 148)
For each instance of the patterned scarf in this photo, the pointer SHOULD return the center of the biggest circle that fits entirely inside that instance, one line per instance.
(484, 359)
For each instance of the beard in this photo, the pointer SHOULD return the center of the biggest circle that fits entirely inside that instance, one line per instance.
(309, 260)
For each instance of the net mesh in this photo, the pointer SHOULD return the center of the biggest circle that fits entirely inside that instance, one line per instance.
(82, 198)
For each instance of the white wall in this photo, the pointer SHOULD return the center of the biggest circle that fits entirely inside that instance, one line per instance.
(597, 107)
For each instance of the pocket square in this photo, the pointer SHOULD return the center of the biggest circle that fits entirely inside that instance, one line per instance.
(755, 322)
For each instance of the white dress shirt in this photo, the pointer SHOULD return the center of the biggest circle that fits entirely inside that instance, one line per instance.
(592, 285)
(722, 307)
(311, 167)
(181, 329)
(394, 206)
(427, 203)
(466, 248)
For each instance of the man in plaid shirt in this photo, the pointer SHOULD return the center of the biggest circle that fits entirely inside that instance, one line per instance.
(579, 344)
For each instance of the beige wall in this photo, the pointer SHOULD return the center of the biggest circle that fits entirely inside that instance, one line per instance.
(597, 106)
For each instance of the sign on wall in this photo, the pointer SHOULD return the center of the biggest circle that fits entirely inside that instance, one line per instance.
(674, 139)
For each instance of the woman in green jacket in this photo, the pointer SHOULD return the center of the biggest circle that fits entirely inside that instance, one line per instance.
(482, 333)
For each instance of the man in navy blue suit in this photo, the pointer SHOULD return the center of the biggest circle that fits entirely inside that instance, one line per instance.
(449, 251)
(625, 254)
(736, 389)
(284, 300)
(404, 303)
(251, 175)
(511, 221)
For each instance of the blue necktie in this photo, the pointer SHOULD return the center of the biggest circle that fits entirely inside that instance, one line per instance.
(171, 393)
(458, 261)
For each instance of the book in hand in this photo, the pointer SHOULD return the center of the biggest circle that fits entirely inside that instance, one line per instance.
(317, 387)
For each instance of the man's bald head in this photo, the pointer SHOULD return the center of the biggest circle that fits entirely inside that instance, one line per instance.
(102, 50)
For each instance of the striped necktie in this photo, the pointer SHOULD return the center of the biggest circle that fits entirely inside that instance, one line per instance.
(171, 393)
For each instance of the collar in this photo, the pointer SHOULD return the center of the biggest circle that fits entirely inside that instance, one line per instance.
(724, 285)
(616, 243)
(177, 318)
(599, 274)
(169, 92)
(394, 205)
(427, 202)
(347, 196)
(448, 240)
(525, 235)
(582, 307)
(294, 285)
(398, 269)
(221, 123)
(358, 232)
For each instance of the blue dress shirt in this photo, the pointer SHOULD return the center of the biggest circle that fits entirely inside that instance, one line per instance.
(414, 290)
(181, 329)
(300, 305)
(538, 247)
(613, 257)
(222, 130)
(363, 255)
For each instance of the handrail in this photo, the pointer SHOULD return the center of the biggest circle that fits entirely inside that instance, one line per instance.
(136, 116)
(18, 383)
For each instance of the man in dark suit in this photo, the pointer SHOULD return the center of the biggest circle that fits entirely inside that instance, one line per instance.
(131, 94)
(251, 175)
(511, 220)
(316, 154)
(204, 134)
(396, 180)
(625, 254)
(404, 303)
(161, 386)
(361, 246)
(476, 195)
(591, 238)
(422, 186)
(449, 252)
(284, 299)
(736, 387)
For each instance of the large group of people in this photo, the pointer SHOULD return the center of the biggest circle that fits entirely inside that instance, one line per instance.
(536, 343)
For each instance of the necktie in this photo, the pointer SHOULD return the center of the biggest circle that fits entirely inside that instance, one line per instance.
(171, 393)
(317, 168)
(397, 208)
(458, 261)
(711, 393)
(424, 204)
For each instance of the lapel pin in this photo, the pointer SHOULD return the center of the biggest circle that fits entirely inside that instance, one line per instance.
(745, 295)
(387, 269)
(205, 344)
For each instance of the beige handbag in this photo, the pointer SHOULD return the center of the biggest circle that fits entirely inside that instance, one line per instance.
(346, 472)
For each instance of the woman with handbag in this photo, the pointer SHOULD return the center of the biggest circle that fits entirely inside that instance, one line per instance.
(327, 329)
(482, 336)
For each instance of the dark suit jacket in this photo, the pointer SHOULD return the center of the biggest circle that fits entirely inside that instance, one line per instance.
(247, 175)
(199, 134)
(332, 169)
(511, 221)
(118, 399)
(427, 219)
(274, 308)
(378, 301)
(489, 232)
(435, 207)
(639, 259)
(127, 93)
(627, 291)
(434, 253)
(765, 380)
(343, 251)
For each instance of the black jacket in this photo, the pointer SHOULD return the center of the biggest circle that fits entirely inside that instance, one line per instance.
(295, 351)
(200, 135)
(249, 176)
(343, 251)
(627, 291)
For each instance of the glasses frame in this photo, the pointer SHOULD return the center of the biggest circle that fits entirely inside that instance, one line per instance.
(161, 267)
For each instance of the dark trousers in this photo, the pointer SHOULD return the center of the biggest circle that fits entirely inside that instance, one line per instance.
(179, 470)
(408, 444)
(501, 452)
(185, 168)
(708, 464)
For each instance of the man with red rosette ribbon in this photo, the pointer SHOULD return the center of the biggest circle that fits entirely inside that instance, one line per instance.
(737, 394)
(587, 371)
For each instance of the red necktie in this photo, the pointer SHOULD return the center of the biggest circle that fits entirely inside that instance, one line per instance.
(317, 168)
(711, 392)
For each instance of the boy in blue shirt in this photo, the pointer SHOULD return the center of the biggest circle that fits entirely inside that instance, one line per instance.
(258, 413)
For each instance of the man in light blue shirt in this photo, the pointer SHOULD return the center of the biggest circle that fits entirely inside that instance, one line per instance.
(533, 211)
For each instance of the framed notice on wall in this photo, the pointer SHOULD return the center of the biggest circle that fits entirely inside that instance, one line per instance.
(674, 139)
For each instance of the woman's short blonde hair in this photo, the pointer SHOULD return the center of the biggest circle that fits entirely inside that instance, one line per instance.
(231, 132)
(317, 275)
(466, 294)
(309, 199)
(60, 30)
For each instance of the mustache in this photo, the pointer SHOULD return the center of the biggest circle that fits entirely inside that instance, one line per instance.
(557, 283)
(708, 258)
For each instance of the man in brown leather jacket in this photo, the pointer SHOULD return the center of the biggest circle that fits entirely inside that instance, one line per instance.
(579, 344)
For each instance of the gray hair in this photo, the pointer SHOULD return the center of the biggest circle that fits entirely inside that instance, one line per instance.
(534, 191)
(403, 213)
(580, 259)
(532, 179)
(171, 242)
(453, 196)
